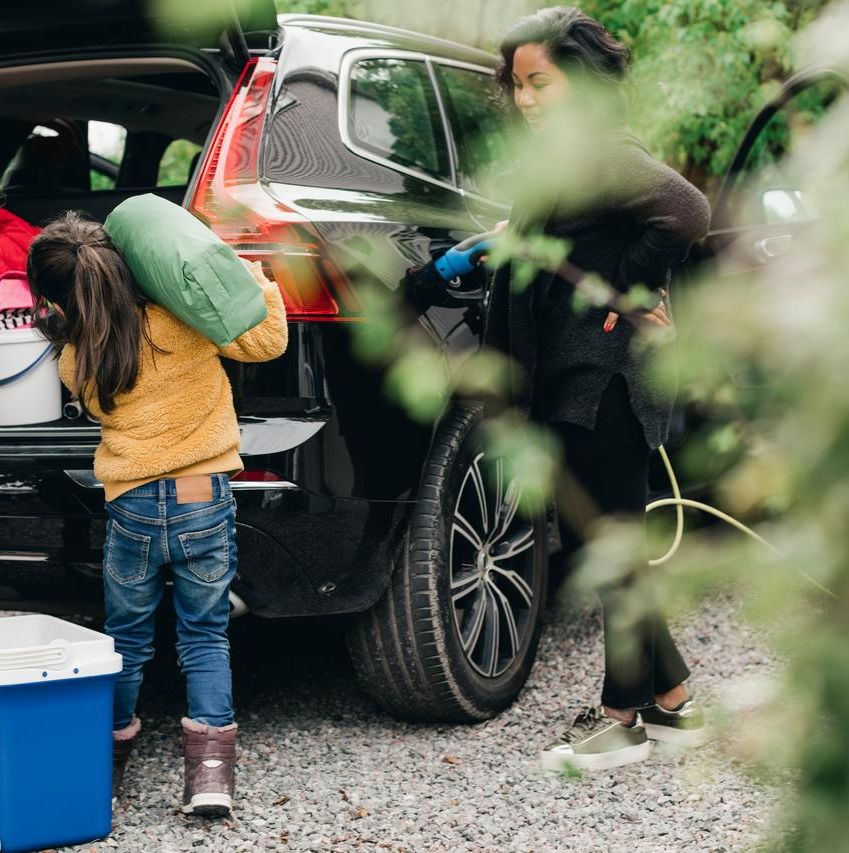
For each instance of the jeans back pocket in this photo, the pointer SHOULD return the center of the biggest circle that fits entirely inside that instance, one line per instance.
(127, 553)
(207, 552)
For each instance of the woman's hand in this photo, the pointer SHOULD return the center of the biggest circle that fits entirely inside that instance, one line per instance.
(657, 318)
(499, 227)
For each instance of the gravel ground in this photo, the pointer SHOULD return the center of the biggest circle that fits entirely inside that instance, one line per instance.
(323, 769)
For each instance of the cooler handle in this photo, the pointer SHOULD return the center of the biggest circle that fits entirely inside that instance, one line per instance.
(55, 655)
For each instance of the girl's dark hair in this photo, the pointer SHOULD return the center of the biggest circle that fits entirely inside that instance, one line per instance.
(74, 265)
(574, 41)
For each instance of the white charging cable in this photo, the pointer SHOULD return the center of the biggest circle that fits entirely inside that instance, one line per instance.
(679, 503)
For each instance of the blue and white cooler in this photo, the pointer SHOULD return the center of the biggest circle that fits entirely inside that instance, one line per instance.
(57, 682)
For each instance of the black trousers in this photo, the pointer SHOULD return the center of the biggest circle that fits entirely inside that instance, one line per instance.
(607, 474)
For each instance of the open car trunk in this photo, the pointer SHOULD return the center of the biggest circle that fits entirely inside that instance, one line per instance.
(51, 28)
(86, 135)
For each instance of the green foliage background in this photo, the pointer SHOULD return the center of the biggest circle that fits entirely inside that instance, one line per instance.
(702, 67)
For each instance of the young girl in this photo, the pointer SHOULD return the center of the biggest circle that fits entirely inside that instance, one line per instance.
(628, 219)
(169, 443)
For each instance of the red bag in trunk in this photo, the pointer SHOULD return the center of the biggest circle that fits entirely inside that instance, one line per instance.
(16, 301)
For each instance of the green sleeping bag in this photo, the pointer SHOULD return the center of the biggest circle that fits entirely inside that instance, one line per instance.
(184, 267)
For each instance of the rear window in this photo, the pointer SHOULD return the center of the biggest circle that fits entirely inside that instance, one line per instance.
(56, 155)
(393, 114)
(50, 155)
(177, 163)
(78, 135)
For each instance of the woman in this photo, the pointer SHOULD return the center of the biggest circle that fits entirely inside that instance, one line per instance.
(627, 219)
(169, 441)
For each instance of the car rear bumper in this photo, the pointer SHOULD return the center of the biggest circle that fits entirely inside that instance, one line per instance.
(300, 554)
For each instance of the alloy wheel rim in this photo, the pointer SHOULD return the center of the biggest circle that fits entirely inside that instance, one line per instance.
(492, 568)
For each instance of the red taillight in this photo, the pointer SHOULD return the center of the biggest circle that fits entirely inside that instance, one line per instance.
(230, 198)
(242, 156)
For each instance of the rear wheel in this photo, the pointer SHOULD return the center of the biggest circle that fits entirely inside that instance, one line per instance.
(455, 634)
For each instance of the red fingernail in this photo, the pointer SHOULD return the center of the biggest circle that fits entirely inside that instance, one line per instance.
(608, 326)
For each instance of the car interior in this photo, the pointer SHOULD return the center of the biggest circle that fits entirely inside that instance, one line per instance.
(89, 141)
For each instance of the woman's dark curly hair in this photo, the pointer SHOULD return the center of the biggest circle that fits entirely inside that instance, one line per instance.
(574, 41)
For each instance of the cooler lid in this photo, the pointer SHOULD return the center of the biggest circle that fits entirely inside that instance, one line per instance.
(38, 649)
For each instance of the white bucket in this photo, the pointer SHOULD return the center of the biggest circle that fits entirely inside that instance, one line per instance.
(30, 390)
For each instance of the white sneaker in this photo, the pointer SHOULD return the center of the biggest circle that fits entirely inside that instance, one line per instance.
(597, 742)
(684, 725)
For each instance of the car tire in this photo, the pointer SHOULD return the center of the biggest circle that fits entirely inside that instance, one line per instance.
(440, 644)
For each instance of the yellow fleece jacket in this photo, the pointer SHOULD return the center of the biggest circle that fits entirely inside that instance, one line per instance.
(178, 418)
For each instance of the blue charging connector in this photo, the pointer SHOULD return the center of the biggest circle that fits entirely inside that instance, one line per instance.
(463, 258)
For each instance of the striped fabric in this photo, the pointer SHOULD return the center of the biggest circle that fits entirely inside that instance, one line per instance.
(15, 318)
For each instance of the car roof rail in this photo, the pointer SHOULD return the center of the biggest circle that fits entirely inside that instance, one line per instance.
(306, 20)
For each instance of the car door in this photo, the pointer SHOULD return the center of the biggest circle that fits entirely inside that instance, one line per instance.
(762, 204)
(477, 133)
(759, 211)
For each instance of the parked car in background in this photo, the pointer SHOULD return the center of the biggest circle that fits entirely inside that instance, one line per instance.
(759, 210)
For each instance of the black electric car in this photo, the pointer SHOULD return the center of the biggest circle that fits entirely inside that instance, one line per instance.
(352, 153)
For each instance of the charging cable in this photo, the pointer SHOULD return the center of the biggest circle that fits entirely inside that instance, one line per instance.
(461, 259)
(679, 503)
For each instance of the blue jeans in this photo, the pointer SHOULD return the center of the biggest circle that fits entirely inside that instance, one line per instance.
(147, 531)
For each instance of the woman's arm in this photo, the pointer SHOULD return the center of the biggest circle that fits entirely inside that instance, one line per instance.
(269, 338)
(672, 213)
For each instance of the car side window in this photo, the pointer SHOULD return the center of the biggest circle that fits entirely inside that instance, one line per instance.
(106, 142)
(479, 128)
(177, 164)
(393, 113)
(766, 191)
(62, 155)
